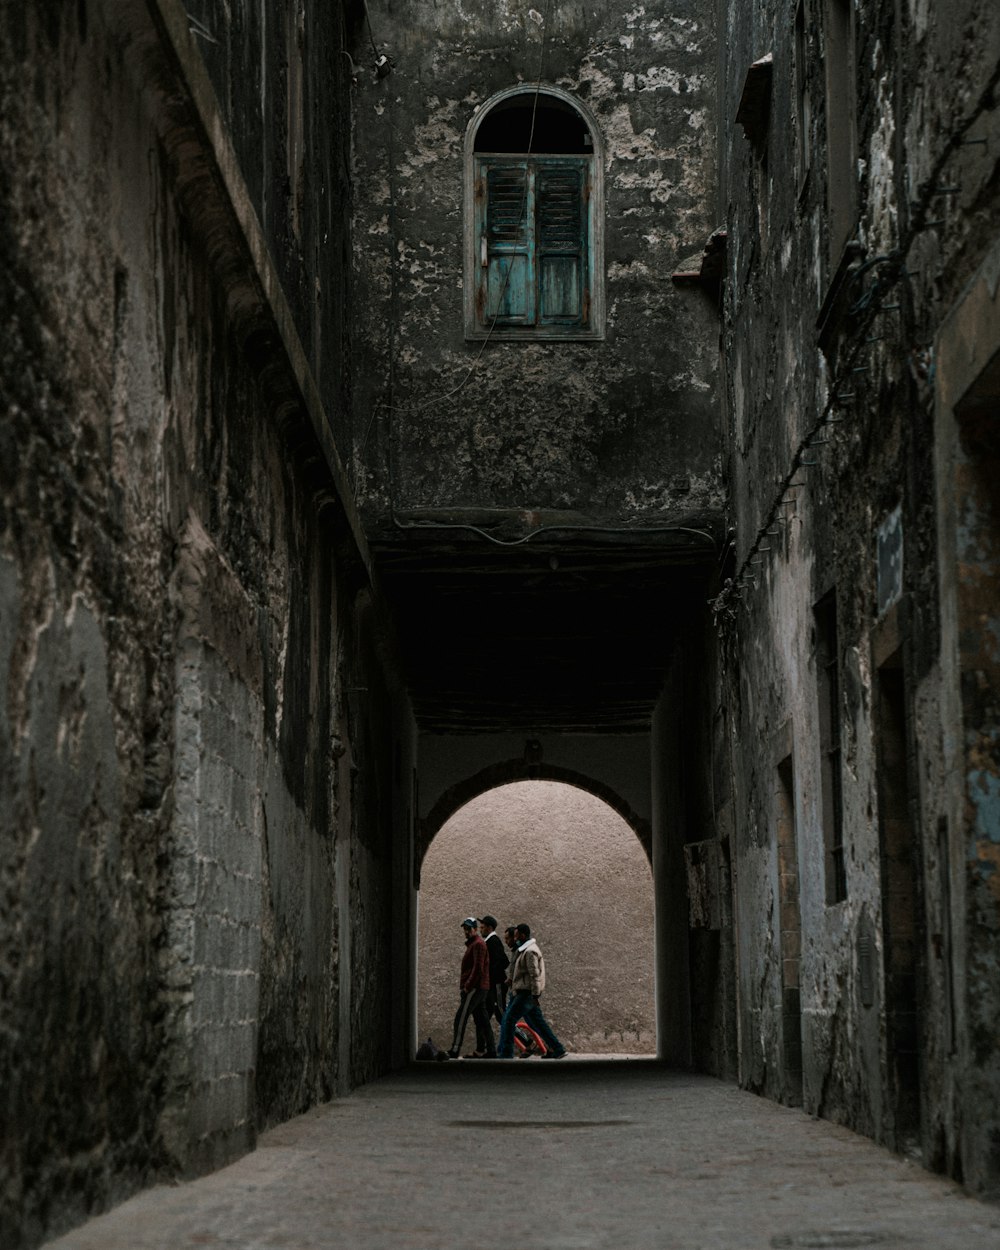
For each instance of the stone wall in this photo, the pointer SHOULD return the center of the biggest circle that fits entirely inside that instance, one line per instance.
(832, 338)
(196, 798)
(504, 434)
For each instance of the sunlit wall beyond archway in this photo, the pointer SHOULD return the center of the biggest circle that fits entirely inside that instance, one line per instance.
(562, 861)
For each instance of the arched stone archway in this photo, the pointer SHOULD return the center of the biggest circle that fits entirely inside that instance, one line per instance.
(526, 768)
(561, 859)
(635, 774)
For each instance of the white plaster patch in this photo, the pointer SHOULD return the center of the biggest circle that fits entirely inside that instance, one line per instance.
(817, 269)
(920, 17)
(380, 192)
(434, 141)
(602, 86)
(881, 193)
(661, 189)
(624, 143)
(674, 34)
(664, 78)
(379, 227)
(633, 270)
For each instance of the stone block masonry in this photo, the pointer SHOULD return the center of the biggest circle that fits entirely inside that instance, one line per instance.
(214, 931)
(178, 569)
(862, 225)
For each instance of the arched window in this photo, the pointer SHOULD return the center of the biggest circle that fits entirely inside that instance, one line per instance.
(534, 226)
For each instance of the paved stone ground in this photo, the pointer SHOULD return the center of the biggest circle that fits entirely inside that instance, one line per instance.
(553, 1156)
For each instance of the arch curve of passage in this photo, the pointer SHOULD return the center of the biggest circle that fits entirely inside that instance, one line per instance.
(529, 89)
(519, 770)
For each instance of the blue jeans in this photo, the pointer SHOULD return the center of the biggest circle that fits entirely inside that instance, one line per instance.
(523, 1007)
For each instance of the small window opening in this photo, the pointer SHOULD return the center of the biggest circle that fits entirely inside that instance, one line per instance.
(519, 125)
(533, 248)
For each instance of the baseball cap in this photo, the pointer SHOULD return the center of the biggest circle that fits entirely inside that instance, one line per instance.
(488, 919)
(469, 922)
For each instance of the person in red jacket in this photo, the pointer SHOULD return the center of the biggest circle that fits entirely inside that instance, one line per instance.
(474, 984)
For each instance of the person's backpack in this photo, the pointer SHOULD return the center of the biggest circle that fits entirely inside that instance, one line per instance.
(526, 1040)
(427, 1050)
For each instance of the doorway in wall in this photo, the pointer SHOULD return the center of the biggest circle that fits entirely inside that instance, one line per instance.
(791, 934)
(562, 861)
(902, 930)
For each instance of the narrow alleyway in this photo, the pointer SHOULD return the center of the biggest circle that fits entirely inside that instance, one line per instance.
(544, 1157)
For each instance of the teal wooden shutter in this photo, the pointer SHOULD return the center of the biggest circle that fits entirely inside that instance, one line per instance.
(506, 286)
(532, 250)
(561, 244)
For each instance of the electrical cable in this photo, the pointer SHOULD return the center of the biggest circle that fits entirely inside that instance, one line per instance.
(562, 529)
(371, 33)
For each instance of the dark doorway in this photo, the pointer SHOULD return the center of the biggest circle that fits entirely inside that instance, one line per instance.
(791, 936)
(900, 902)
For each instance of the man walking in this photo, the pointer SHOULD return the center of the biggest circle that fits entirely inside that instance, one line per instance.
(527, 981)
(474, 983)
(496, 996)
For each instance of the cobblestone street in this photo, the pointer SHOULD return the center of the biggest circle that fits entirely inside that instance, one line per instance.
(565, 1156)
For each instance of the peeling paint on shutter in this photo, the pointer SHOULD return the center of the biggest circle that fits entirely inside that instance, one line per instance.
(505, 247)
(561, 243)
(507, 194)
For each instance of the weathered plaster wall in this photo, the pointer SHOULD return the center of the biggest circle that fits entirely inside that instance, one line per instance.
(801, 324)
(623, 428)
(185, 611)
(967, 351)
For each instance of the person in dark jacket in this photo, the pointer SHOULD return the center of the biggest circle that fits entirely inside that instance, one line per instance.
(496, 995)
(474, 982)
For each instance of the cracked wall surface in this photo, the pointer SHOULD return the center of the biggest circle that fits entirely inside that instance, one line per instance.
(623, 428)
(896, 981)
(183, 615)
